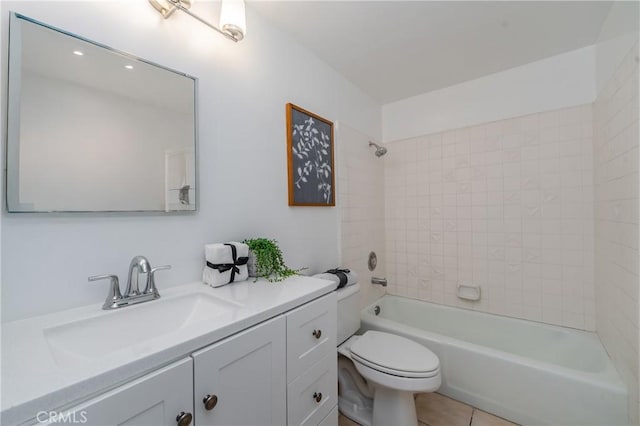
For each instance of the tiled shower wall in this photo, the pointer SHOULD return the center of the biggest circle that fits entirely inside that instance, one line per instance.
(507, 206)
(361, 200)
(616, 238)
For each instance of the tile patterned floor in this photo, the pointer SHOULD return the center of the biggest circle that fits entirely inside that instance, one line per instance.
(438, 410)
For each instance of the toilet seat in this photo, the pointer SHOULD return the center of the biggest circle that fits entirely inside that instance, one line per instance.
(393, 372)
(395, 355)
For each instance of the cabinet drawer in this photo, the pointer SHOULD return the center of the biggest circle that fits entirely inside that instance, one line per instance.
(311, 334)
(321, 380)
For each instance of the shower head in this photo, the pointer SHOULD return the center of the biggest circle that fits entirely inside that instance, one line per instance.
(380, 150)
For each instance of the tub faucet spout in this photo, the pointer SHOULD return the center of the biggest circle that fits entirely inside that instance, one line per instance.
(379, 281)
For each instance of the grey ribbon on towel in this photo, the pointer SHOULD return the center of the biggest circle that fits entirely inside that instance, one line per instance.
(341, 274)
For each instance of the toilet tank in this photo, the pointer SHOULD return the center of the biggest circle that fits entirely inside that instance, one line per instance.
(348, 311)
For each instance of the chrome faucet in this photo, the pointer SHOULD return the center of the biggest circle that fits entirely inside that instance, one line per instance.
(138, 264)
(132, 295)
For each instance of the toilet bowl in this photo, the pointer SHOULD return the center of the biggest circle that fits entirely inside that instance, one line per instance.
(394, 369)
(378, 373)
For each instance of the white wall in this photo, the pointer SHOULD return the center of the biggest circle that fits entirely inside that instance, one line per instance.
(618, 35)
(557, 82)
(243, 89)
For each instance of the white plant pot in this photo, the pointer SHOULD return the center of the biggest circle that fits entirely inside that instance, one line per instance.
(251, 265)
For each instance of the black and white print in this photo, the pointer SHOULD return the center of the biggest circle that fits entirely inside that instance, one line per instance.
(311, 146)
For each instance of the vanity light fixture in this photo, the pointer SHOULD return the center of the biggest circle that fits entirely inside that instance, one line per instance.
(232, 15)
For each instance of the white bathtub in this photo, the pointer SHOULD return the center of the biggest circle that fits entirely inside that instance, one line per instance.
(527, 372)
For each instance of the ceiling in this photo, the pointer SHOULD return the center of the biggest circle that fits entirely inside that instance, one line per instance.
(397, 49)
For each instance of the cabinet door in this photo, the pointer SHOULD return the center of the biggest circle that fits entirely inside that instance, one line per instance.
(331, 419)
(246, 374)
(152, 400)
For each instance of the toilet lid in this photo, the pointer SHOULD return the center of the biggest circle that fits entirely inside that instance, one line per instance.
(394, 355)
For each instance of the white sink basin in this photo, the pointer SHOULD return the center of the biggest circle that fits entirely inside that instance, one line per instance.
(134, 328)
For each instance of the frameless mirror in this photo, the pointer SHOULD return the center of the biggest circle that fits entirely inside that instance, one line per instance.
(93, 129)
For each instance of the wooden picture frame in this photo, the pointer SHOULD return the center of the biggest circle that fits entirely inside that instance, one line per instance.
(310, 161)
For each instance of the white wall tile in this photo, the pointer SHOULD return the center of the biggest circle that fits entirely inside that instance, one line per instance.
(615, 159)
(507, 211)
(362, 211)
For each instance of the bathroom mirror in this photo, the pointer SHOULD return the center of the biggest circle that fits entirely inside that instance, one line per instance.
(93, 129)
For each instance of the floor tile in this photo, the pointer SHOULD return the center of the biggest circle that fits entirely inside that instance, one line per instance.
(345, 421)
(438, 410)
(481, 418)
(434, 409)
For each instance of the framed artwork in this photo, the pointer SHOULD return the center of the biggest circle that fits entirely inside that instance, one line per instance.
(310, 158)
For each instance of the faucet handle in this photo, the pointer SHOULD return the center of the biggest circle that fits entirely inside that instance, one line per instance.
(151, 280)
(114, 294)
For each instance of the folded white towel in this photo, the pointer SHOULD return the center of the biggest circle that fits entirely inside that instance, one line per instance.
(242, 250)
(218, 253)
(352, 277)
(222, 254)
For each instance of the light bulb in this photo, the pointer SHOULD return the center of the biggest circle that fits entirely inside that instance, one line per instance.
(232, 18)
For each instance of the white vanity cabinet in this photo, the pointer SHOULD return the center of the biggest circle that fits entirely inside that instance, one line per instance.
(282, 371)
(241, 380)
(158, 398)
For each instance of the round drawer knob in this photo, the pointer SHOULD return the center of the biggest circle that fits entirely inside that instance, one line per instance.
(317, 396)
(184, 419)
(317, 333)
(210, 401)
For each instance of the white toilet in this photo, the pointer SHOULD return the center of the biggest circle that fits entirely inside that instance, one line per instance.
(393, 368)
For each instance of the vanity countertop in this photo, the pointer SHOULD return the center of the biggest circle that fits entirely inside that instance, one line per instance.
(38, 375)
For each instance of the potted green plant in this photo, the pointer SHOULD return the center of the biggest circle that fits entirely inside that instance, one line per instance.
(265, 260)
